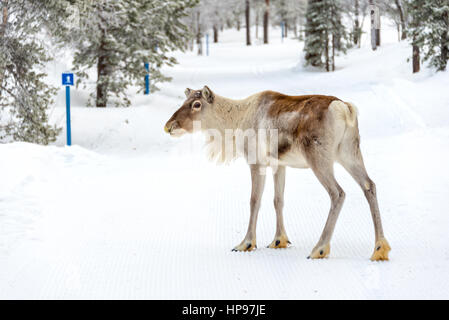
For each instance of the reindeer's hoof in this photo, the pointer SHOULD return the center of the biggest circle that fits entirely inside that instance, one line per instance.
(280, 242)
(320, 252)
(381, 250)
(246, 246)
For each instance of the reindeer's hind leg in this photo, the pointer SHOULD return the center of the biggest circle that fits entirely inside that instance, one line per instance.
(350, 157)
(280, 238)
(322, 166)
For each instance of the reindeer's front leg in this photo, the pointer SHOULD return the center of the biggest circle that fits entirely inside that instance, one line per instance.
(258, 184)
(280, 238)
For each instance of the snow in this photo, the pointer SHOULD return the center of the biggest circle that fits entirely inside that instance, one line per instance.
(130, 213)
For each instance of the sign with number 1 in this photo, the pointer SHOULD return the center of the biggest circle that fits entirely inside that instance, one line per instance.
(68, 80)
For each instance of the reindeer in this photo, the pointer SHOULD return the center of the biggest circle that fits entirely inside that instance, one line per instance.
(313, 131)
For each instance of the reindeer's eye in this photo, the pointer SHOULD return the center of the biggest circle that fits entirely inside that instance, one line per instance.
(196, 105)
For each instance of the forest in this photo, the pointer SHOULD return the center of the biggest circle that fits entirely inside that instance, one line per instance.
(112, 39)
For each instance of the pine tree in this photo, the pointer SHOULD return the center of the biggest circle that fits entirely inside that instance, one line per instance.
(24, 96)
(315, 27)
(119, 36)
(325, 33)
(430, 30)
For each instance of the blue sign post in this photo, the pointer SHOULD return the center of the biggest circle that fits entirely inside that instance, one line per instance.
(147, 78)
(67, 81)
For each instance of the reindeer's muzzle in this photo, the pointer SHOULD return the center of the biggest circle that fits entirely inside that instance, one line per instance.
(173, 128)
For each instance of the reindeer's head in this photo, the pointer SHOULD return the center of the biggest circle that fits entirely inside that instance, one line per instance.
(192, 109)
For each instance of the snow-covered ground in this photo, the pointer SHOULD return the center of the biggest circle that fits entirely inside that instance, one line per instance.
(128, 212)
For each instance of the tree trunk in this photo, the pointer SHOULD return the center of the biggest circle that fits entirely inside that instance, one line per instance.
(5, 18)
(257, 24)
(215, 33)
(266, 16)
(102, 73)
(102, 87)
(295, 28)
(373, 26)
(198, 35)
(356, 22)
(378, 35)
(285, 30)
(326, 52)
(414, 23)
(2, 34)
(398, 28)
(334, 44)
(192, 39)
(248, 25)
(444, 41)
(401, 16)
(362, 23)
(416, 60)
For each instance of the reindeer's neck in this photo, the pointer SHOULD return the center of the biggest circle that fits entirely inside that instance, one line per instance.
(227, 113)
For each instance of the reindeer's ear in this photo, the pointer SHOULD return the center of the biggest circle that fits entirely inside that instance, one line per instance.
(187, 92)
(208, 94)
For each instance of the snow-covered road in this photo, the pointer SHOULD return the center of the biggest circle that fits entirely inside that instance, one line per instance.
(129, 212)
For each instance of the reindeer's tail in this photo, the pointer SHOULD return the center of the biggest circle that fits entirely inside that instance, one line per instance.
(346, 111)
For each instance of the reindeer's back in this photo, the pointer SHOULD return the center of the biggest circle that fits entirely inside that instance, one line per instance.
(312, 105)
(302, 122)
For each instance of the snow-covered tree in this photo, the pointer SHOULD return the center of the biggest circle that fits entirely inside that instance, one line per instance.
(24, 96)
(258, 10)
(281, 13)
(118, 36)
(402, 18)
(395, 10)
(356, 12)
(315, 28)
(218, 17)
(325, 33)
(430, 30)
(209, 17)
(414, 34)
(290, 12)
(237, 10)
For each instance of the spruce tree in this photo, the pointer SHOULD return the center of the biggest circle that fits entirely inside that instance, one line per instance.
(24, 96)
(315, 28)
(118, 36)
(325, 33)
(430, 30)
